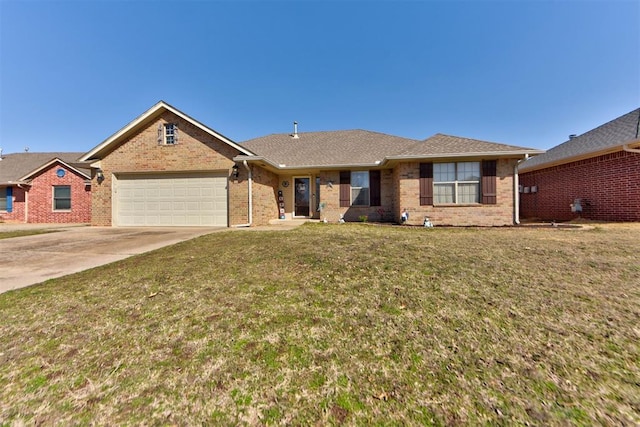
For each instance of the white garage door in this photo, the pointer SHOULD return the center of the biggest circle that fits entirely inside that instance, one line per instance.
(170, 200)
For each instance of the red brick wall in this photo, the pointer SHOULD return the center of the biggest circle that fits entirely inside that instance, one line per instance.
(40, 197)
(608, 185)
(196, 150)
(17, 213)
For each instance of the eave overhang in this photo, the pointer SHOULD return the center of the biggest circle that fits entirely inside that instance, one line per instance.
(582, 156)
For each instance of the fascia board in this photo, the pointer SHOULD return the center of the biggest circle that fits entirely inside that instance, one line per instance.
(48, 164)
(12, 183)
(471, 154)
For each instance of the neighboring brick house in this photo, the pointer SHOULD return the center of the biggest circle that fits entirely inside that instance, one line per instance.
(595, 176)
(44, 188)
(165, 168)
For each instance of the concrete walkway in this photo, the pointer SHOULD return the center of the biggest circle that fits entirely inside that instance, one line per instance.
(70, 249)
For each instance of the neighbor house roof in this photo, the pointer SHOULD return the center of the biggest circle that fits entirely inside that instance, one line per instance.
(19, 167)
(366, 148)
(143, 120)
(330, 148)
(609, 137)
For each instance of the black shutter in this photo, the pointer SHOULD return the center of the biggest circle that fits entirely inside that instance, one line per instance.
(374, 188)
(345, 189)
(489, 191)
(426, 184)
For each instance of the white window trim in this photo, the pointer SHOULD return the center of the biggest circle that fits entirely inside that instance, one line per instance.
(353, 187)
(172, 127)
(53, 199)
(455, 186)
(164, 135)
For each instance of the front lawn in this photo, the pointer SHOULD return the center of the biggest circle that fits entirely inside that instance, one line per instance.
(336, 324)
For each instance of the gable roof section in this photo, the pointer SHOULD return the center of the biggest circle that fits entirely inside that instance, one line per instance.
(82, 171)
(609, 137)
(327, 149)
(440, 145)
(148, 116)
(18, 167)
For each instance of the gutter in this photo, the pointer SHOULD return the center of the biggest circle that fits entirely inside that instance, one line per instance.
(516, 191)
(628, 149)
(250, 179)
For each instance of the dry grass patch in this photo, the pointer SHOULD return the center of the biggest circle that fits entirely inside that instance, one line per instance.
(22, 233)
(328, 324)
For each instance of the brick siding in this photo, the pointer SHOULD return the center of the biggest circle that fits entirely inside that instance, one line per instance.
(264, 200)
(36, 204)
(330, 195)
(196, 151)
(18, 211)
(407, 177)
(609, 186)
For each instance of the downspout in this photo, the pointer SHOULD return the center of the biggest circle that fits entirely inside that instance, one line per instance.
(516, 191)
(250, 179)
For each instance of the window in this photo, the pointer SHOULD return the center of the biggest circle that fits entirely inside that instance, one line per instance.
(168, 134)
(456, 182)
(360, 188)
(3, 199)
(62, 198)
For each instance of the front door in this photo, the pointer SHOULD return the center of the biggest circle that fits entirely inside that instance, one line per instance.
(301, 192)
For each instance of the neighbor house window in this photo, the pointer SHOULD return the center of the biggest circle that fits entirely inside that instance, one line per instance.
(61, 198)
(3, 199)
(360, 188)
(168, 134)
(456, 182)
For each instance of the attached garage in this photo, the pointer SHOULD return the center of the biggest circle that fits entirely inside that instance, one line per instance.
(170, 200)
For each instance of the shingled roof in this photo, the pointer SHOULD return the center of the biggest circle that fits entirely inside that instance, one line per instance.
(14, 167)
(331, 148)
(366, 148)
(440, 145)
(610, 136)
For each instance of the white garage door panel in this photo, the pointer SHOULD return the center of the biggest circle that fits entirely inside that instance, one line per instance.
(171, 200)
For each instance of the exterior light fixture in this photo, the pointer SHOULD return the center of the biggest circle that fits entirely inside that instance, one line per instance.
(235, 172)
(99, 176)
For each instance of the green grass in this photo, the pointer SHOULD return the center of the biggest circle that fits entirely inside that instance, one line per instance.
(336, 324)
(22, 233)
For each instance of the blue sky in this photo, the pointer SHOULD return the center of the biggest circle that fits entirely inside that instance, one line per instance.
(526, 73)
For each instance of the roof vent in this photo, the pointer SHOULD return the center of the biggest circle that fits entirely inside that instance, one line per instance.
(294, 135)
(572, 136)
(0, 153)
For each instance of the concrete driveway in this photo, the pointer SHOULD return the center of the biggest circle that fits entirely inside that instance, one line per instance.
(28, 260)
